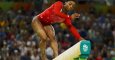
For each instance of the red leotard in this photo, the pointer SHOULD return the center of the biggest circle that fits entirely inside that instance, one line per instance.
(53, 15)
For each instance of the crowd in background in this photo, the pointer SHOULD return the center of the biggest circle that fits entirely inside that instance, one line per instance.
(19, 42)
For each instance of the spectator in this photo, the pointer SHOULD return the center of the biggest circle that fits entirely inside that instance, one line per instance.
(26, 56)
(49, 52)
(35, 56)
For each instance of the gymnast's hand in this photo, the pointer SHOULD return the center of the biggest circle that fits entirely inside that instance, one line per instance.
(75, 15)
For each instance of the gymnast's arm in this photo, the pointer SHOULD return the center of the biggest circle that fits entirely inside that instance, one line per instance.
(72, 29)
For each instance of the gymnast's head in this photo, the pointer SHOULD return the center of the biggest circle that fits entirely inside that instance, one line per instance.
(69, 5)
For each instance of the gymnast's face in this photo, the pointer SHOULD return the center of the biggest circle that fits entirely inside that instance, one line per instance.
(69, 5)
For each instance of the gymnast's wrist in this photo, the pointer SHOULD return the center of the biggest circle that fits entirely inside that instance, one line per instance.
(81, 38)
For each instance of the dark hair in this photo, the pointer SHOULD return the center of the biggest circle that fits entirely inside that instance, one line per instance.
(72, 0)
(68, 0)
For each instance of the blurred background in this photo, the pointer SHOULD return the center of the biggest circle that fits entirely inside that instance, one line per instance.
(18, 41)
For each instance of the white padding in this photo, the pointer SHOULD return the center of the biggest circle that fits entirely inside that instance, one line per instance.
(71, 53)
